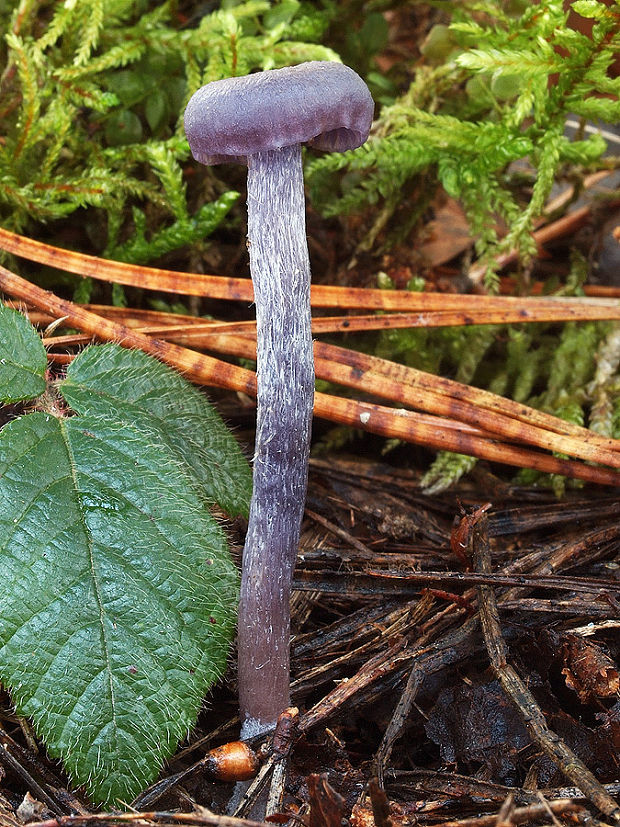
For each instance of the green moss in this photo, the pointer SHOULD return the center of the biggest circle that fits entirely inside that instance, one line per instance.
(496, 87)
(92, 113)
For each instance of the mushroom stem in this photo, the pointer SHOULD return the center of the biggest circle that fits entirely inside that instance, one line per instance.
(280, 270)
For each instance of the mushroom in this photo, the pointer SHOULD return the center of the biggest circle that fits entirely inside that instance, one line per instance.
(262, 120)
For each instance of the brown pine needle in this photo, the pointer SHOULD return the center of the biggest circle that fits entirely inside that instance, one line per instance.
(430, 394)
(480, 399)
(190, 330)
(223, 287)
(198, 331)
(485, 411)
(422, 391)
(430, 431)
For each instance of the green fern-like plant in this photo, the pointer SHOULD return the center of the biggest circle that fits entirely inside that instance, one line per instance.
(91, 114)
(497, 87)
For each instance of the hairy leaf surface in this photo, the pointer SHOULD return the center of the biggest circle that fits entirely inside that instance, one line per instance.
(22, 358)
(118, 599)
(130, 386)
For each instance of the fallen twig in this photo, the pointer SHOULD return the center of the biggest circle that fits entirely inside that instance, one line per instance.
(520, 815)
(431, 431)
(486, 414)
(200, 816)
(240, 289)
(551, 744)
(484, 410)
(410, 582)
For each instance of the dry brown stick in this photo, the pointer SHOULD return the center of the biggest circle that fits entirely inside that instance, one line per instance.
(238, 289)
(282, 743)
(401, 424)
(520, 815)
(553, 793)
(364, 623)
(585, 548)
(274, 768)
(199, 332)
(465, 393)
(490, 404)
(255, 788)
(551, 744)
(398, 720)
(454, 785)
(384, 662)
(322, 672)
(427, 396)
(382, 581)
(13, 764)
(519, 520)
(582, 608)
(362, 550)
(431, 655)
(218, 287)
(195, 331)
(199, 817)
(380, 804)
(240, 346)
(409, 426)
(504, 816)
(198, 335)
(365, 636)
(431, 394)
(417, 674)
(38, 777)
(422, 394)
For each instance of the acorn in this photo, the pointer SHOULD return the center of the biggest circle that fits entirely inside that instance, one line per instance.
(235, 761)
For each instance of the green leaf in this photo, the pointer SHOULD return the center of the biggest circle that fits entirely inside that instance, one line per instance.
(156, 110)
(590, 8)
(605, 109)
(131, 386)
(176, 92)
(281, 13)
(373, 34)
(118, 600)
(123, 127)
(128, 85)
(22, 358)
(185, 230)
(583, 152)
(210, 215)
(168, 171)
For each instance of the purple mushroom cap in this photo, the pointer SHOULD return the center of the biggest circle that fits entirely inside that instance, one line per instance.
(324, 104)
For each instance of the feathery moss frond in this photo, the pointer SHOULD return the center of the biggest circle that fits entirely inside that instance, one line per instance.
(92, 113)
(503, 94)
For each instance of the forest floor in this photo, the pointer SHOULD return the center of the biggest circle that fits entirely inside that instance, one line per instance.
(454, 662)
(454, 656)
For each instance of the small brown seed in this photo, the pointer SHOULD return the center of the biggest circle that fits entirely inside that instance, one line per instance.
(235, 761)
